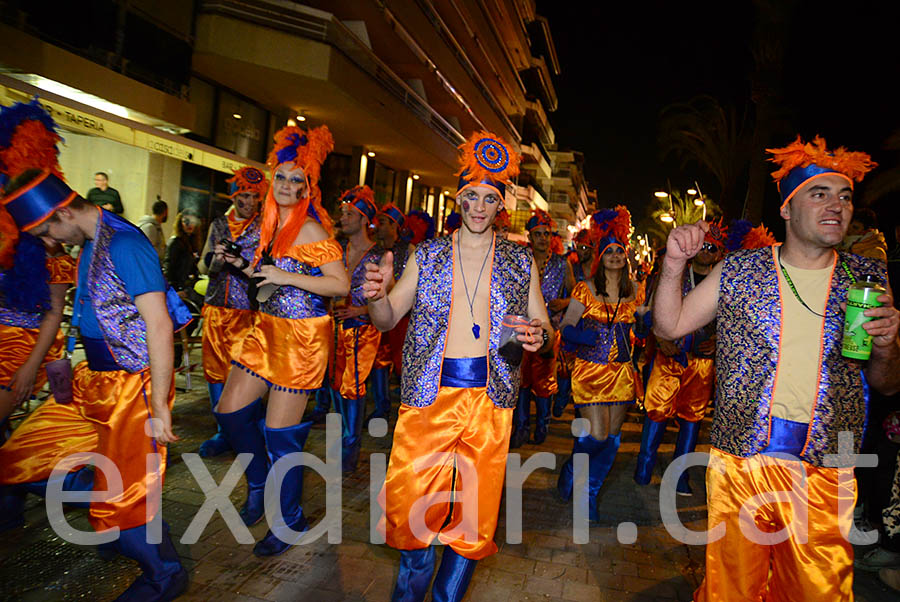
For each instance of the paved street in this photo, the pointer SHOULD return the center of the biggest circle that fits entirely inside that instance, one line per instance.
(35, 564)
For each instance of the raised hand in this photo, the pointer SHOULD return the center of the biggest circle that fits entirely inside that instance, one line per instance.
(685, 241)
(378, 277)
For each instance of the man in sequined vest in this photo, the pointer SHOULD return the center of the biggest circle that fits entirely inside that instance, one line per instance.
(784, 390)
(682, 375)
(458, 389)
(356, 339)
(227, 315)
(539, 369)
(125, 389)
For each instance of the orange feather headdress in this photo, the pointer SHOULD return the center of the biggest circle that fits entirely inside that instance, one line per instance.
(306, 150)
(486, 159)
(800, 162)
(248, 179)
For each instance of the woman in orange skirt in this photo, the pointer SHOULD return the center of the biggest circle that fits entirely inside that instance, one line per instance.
(297, 266)
(604, 382)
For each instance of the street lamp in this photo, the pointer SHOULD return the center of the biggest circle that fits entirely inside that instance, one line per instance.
(660, 194)
(699, 202)
(692, 191)
(666, 218)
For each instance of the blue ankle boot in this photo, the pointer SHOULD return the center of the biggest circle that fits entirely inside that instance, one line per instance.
(282, 535)
(416, 569)
(685, 444)
(163, 578)
(453, 577)
(217, 444)
(241, 428)
(651, 436)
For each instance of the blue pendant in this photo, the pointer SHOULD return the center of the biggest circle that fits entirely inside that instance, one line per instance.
(476, 330)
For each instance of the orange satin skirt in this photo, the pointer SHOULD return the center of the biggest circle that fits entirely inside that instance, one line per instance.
(108, 416)
(224, 331)
(612, 383)
(539, 373)
(673, 390)
(288, 354)
(15, 346)
(354, 356)
(739, 569)
(455, 448)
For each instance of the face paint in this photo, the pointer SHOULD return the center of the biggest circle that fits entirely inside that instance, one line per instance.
(465, 206)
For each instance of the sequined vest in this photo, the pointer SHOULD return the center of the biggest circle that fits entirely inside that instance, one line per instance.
(423, 350)
(748, 325)
(122, 325)
(552, 282)
(228, 287)
(401, 256)
(357, 279)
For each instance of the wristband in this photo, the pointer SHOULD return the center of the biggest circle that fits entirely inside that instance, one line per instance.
(244, 263)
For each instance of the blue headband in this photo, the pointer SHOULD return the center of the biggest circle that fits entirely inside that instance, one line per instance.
(607, 242)
(31, 205)
(364, 206)
(464, 183)
(798, 176)
(394, 214)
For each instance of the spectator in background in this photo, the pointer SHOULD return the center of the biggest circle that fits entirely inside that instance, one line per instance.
(104, 196)
(863, 237)
(182, 253)
(151, 225)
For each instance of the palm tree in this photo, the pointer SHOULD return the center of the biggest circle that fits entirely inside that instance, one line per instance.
(682, 208)
(716, 138)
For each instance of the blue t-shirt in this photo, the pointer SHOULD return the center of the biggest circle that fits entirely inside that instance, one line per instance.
(136, 263)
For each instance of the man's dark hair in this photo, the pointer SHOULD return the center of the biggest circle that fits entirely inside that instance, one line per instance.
(30, 175)
(866, 217)
(160, 207)
(100, 173)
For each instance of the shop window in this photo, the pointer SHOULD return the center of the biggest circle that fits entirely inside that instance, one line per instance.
(240, 127)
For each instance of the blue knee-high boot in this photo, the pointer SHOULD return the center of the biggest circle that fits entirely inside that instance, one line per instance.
(562, 397)
(453, 576)
(685, 444)
(378, 381)
(542, 412)
(217, 444)
(163, 578)
(241, 428)
(281, 442)
(602, 458)
(520, 419)
(323, 405)
(416, 569)
(351, 420)
(651, 435)
(12, 497)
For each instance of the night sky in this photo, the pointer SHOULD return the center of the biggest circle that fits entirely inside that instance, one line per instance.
(622, 62)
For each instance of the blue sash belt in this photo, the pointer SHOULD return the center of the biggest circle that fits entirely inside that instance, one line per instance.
(464, 372)
(98, 356)
(788, 437)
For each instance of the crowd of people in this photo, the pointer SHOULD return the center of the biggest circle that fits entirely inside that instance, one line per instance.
(474, 326)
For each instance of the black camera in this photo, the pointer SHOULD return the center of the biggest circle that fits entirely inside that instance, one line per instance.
(232, 248)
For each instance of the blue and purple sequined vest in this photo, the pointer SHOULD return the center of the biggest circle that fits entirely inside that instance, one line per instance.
(357, 296)
(748, 325)
(553, 281)
(124, 330)
(401, 256)
(295, 303)
(228, 287)
(426, 335)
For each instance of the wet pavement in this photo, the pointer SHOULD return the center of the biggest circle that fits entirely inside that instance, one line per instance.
(36, 564)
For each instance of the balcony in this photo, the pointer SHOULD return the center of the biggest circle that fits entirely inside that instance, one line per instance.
(538, 83)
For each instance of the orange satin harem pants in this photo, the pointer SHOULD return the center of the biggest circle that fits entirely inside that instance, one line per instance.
(354, 356)
(455, 449)
(673, 390)
(738, 569)
(539, 372)
(108, 417)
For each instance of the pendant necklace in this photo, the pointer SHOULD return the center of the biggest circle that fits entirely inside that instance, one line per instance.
(476, 329)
